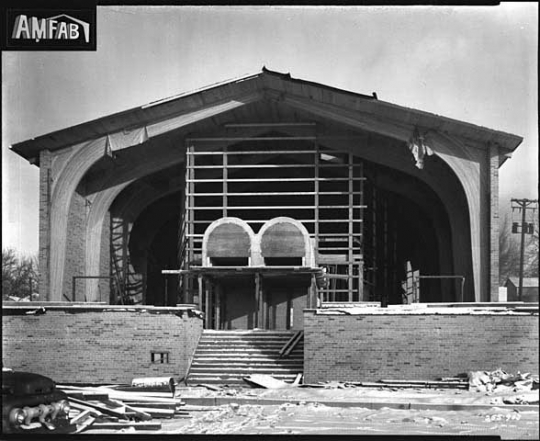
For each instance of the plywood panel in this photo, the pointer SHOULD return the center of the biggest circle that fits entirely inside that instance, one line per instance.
(229, 240)
(283, 240)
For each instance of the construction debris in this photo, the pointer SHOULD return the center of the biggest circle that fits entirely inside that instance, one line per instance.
(210, 387)
(265, 381)
(105, 407)
(483, 381)
(154, 384)
(291, 344)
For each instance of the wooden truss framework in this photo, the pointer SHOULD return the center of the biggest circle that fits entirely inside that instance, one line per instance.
(260, 178)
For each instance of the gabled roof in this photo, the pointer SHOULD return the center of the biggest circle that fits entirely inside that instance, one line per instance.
(267, 84)
(528, 282)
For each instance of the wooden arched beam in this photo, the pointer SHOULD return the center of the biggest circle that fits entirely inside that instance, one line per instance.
(101, 203)
(70, 173)
(397, 157)
(467, 168)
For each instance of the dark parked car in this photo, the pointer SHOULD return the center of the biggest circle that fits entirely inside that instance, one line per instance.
(31, 403)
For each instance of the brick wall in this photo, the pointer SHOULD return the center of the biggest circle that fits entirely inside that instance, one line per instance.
(105, 260)
(75, 246)
(494, 222)
(371, 347)
(44, 220)
(80, 344)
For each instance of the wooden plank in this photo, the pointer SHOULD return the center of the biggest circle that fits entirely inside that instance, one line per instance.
(85, 414)
(207, 306)
(84, 395)
(127, 424)
(276, 207)
(218, 308)
(200, 288)
(84, 408)
(280, 193)
(265, 381)
(277, 179)
(254, 138)
(291, 344)
(259, 299)
(102, 408)
(151, 405)
(317, 208)
(139, 413)
(350, 284)
(153, 412)
(263, 152)
(225, 177)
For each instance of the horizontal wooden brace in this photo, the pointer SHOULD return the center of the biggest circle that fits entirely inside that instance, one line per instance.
(307, 221)
(255, 138)
(279, 193)
(285, 124)
(253, 152)
(273, 166)
(276, 180)
(276, 207)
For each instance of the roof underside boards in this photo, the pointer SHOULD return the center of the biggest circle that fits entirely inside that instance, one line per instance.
(186, 109)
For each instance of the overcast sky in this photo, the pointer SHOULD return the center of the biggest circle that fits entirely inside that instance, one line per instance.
(476, 64)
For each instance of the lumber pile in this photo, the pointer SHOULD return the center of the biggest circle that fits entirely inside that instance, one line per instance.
(121, 407)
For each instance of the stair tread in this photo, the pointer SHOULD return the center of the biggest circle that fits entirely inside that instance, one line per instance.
(227, 376)
(226, 357)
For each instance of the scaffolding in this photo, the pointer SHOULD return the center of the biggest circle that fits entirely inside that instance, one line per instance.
(263, 177)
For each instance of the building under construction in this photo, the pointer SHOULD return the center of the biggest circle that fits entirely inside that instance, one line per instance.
(288, 212)
(259, 197)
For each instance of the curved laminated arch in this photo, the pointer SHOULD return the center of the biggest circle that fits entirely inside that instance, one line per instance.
(469, 175)
(94, 229)
(458, 215)
(88, 153)
(100, 206)
(69, 178)
(438, 219)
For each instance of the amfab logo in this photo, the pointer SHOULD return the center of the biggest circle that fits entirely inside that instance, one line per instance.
(72, 29)
(59, 27)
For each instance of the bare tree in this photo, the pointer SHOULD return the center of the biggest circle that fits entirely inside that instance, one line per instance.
(19, 275)
(532, 250)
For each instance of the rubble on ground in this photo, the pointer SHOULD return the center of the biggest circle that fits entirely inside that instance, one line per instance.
(498, 380)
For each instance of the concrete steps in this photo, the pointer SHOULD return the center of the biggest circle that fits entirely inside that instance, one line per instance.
(225, 357)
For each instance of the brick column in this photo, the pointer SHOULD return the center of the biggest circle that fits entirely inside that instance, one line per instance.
(494, 222)
(45, 164)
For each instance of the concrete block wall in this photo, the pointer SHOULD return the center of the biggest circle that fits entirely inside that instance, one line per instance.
(77, 344)
(371, 347)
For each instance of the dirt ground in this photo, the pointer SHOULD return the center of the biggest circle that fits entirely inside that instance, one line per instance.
(305, 413)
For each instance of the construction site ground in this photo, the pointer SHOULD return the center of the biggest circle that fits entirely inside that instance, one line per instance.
(337, 409)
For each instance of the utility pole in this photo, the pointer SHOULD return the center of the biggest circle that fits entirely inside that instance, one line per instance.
(523, 205)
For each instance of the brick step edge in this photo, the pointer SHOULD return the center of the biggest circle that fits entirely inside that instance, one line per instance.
(244, 371)
(246, 360)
